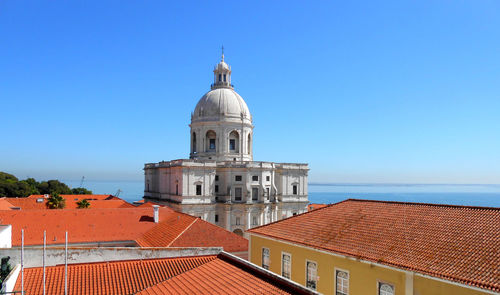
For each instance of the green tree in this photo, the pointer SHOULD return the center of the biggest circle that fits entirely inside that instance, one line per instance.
(55, 201)
(83, 204)
(54, 186)
(33, 186)
(80, 191)
(8, 185)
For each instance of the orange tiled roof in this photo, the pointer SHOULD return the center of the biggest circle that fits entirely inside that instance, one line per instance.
(215, 277)
(183, 230)
(119, 277)
(456, 243)
(119, 225)
(31, 203)
(212, 274)
(205, 234)
(80, 197)
(5, 205)
(315, 206)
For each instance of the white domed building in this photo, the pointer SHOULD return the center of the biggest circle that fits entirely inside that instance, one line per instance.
(220, 182)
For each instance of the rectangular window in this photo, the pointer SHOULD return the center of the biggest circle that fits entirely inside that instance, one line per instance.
(286, 265)
(237, 178)
(254, 220)
(342, 282)
(224, 77)
(255, 178)
(267, 193)
(265, 258)
(237, 194)
(216, 218)
(237, 221)
(385, 289)
(255, 193)
(212, 143)
(312, 270)
(268, 178)
(294, 189)
(198, 189)
(216, 177)
(216, 188)
(232, 144)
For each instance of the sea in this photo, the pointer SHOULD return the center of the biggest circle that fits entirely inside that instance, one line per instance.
(486, 195)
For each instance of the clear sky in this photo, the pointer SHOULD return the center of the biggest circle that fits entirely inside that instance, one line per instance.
(363, 91)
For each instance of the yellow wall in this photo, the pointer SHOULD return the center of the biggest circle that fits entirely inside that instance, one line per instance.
(363, 277)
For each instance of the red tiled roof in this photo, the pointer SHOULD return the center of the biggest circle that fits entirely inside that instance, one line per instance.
(32, 204)
(80, 197)
(119, 277)
(5, 205)
(215, 277)
(212, 274)
(315, 206)
(456, 243)
(119, 225)
(205, 234)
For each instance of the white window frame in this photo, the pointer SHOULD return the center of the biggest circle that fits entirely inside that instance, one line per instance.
(255, 220)
(281, 262)
(307, 273)
(335, 279)
(380, 282)
(268, 258)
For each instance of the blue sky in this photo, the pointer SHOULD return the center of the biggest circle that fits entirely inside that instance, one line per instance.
(363, 91)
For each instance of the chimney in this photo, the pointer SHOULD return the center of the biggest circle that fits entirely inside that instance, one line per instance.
(156, 209)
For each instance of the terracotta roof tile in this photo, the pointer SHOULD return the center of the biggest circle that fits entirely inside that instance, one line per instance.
(214, 277)
(119, 277)
(206, 234)
(96, 202)
(134, 225)
(5, 205)
(315, 206)
(456, 243)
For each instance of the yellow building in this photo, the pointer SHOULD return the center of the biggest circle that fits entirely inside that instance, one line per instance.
(374, 247)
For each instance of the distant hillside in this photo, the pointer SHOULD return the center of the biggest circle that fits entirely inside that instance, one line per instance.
(11, 186)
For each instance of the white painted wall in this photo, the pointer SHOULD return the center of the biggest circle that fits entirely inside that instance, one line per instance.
(6, 236)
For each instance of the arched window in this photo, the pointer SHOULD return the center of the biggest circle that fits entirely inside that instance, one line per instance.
(220, 77)
(342, 279)
(249, 144)
(311, 275)
(385, 289)
(234, 142)
(224, 77)
(210, 140)
(194, 143)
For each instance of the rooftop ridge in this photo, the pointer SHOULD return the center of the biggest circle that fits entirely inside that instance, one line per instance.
(419, 204)
(182, 232)
(132, 260)
(294, 216)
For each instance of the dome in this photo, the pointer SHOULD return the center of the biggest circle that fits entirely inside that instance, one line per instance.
(221, 104)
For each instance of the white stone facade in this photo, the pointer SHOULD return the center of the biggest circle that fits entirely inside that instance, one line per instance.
(220, 182)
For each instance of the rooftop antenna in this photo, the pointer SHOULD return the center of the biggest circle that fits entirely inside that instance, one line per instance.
(81, 182)
(22, 261)
(43, 258)
(66, 265)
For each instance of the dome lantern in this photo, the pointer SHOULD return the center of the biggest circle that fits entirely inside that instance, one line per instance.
(222, 74)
